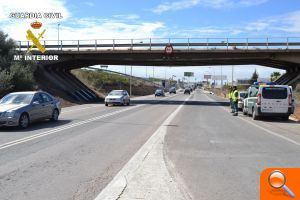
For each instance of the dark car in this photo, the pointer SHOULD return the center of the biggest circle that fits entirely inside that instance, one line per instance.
(172, 90)
(159, 92)
(187, 91)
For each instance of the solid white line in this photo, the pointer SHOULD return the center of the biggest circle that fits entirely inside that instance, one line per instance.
(43, 134)
(271, 132)
(264, 129)
(35, 136)
(127, 174)
(67, 111)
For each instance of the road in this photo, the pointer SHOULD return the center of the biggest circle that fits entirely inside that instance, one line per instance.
(207, 153)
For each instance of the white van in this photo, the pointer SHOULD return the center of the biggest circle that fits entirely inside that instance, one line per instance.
(271, 100)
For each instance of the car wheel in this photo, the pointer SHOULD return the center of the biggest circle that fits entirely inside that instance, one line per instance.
(128, 103)
(245, 111)
(254, 115)
(24, 121)
(106, 104)
(55, 115)
(285, 118)
(124, 103)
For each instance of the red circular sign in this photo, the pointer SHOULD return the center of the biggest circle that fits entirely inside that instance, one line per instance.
(169, 49)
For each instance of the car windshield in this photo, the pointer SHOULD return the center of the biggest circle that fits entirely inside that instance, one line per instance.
(243, 94)
(16, 99)
(116, 93)
(274, 93)
(159, 90)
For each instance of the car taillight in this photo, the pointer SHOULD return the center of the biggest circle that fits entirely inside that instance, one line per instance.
(258, 99)
(290, 99)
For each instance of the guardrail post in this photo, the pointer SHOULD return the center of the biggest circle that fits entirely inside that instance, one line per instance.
(267, 43)
(131, 44)
(113, 44)
(95, 45)
(61, 45)
(287, 43)
(150, 44)
(19, 45)
(247, 43)
(78, 45)
(188, 44)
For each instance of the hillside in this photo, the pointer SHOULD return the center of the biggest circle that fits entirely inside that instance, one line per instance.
(103, 82)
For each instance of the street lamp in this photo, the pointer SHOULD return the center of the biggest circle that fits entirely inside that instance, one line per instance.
(58, 35)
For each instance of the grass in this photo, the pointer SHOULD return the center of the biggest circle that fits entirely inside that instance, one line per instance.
(103, 82)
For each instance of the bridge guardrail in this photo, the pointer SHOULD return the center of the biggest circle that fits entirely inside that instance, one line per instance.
(187, 44)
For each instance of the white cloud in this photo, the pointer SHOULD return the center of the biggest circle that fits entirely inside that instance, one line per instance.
(91, 29)
(8, 6)
(216, 4)
(118, 26)
(88, 3)
(127, 17)
(288, 23)
(177, 5)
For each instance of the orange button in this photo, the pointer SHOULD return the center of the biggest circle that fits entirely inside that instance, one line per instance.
(280, 184)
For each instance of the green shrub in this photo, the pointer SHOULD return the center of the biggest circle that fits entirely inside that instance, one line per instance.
(14, 75)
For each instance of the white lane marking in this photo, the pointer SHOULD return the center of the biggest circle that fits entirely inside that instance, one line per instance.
(271, 132)
(101, 105)
(67, 111)
(36, 136)
(264, 129)
(146, 171)
(56, 130)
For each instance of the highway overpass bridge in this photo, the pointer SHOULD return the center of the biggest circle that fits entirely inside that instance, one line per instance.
(281, 53)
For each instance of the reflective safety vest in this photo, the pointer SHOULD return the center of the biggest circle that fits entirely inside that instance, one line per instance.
(235, 95)
(230, 95)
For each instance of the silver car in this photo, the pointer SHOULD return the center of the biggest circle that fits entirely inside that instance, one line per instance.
(117, 97)
(22, 108)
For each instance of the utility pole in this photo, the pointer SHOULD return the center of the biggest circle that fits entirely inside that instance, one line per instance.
(221, 77)
(165, 73)
(153, 73)
(232, 75)
(130, 90)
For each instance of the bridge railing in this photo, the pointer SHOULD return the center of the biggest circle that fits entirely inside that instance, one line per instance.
(150, 44)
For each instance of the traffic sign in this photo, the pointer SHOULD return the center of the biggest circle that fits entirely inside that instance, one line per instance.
(189, 74)
(169, 49)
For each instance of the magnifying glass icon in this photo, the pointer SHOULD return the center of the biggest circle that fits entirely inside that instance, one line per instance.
(277, 180)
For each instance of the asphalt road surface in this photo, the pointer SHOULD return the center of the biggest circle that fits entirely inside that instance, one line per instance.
(212, 154)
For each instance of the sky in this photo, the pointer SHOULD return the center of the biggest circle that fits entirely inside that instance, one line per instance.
(136, 19)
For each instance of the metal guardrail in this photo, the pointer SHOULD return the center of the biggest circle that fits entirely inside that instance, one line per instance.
(160, 44)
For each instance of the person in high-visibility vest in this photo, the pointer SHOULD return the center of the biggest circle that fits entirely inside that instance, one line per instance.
(230, 98)
(235, 98)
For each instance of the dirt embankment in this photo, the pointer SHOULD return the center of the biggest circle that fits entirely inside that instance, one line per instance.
(103, 82)
(297, 101)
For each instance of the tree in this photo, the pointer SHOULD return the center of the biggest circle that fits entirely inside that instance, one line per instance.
(254, 77)
(275, 76)
(14, 75)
